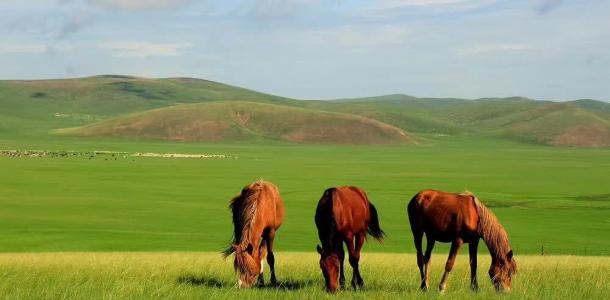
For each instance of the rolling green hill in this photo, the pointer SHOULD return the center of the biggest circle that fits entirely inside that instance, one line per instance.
(35, 109)
(561, 124)
(231, 121)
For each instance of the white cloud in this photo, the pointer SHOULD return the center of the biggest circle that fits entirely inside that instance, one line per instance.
(29, 49)
(139, 4)
(144, 49)
(480, 49)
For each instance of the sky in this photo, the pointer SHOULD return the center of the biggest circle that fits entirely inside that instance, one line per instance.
(321, 49)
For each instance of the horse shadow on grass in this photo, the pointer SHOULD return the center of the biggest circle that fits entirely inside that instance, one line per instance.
(211, 282)
(202, 281)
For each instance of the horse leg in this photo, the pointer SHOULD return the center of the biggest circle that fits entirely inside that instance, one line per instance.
(261, 278)
(270, 257)
(417, 239)
(472, 250)
(353, 261)
(429, 246)
(360, 238)
(455, 247)
(341, 254)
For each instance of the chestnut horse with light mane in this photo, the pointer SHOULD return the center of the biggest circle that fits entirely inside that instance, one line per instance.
(457, 219)
(258, 212)
(344, 215)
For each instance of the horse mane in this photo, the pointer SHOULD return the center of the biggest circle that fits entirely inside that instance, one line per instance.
(490, 230)
(243, 206)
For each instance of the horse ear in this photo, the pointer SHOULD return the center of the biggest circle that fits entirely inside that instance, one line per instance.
(319, 249)
(509, 255)
(250, 249)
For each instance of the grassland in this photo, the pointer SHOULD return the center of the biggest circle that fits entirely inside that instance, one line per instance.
(194, 275)
(543, 195)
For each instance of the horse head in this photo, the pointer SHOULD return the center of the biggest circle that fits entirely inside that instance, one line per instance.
(501, 272)
(247, 264)
(329, 263)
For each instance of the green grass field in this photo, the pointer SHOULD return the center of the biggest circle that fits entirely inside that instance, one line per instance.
(195, 275)
(547, 196)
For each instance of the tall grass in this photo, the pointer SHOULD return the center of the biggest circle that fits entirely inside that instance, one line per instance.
(193, 275)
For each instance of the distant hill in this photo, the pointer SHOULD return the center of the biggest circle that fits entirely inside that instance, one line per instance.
(560, 124)
(234, 121)
(36, 108)
(580, 123)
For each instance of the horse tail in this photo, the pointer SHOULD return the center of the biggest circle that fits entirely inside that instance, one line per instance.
(412, 212)
(234, 207)
(373, 229)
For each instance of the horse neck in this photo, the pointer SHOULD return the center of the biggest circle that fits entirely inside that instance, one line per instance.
(496, 245)
(492, 232)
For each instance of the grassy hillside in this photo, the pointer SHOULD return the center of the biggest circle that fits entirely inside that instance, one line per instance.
(555, 124)
(582, 123)
(33, 109)
(234, 121)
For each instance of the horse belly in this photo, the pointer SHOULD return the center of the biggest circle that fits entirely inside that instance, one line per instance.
(447, 228)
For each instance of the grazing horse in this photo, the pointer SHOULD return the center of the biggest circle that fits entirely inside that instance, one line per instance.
(344, 214)
(258, 212)
(458, 219)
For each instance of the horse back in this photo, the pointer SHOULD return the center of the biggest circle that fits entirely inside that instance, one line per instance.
(350, 209)
(443, 215)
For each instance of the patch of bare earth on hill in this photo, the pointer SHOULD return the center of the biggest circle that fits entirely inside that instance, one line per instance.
(365, 131)
(200, 130)
(595, 136)
(242, 117)
(191, 130)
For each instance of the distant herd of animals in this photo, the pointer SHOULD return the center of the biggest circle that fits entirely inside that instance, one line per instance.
(345, 215)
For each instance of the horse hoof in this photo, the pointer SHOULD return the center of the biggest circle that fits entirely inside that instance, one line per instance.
(423, 288)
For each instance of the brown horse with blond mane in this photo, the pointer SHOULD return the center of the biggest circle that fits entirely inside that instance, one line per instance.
(344, 215)
(457, 219)
(258, 212)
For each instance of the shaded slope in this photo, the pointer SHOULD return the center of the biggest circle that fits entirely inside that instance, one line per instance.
(234, 121)
(561, 124)
(580, 123)
(430, 115)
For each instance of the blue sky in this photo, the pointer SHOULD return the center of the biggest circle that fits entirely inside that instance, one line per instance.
(544, 49)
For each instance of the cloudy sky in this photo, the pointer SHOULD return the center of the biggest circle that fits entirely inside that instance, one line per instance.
(544, 49)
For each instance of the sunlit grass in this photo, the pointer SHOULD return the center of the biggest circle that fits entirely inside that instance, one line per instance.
(207, 275)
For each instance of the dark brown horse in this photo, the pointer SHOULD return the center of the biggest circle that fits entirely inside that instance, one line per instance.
(258, 212)
(457, 219)
(344, 215)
